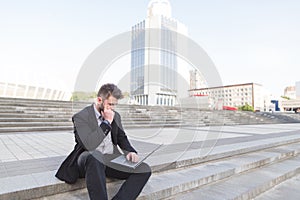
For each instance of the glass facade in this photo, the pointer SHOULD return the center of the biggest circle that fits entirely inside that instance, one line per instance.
(154, 70)
(168, 57)
(137, 59)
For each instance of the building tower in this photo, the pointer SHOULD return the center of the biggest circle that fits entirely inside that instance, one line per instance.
(197, 80)
(153, 78)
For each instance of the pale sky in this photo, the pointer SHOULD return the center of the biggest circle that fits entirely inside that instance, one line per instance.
(47, 41)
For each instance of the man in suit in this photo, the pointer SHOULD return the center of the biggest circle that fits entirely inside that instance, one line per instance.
(98, 131)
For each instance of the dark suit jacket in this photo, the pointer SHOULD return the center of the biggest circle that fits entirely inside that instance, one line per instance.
(88, 136)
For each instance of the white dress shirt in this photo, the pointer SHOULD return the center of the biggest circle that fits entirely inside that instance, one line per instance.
(106, 146)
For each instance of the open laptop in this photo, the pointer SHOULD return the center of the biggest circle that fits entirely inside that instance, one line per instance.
(121, 160)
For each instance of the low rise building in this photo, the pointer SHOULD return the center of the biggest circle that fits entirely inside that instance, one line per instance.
(15, 90)
(290, 92)
(292, 104)
(236, 95)
(298, 89)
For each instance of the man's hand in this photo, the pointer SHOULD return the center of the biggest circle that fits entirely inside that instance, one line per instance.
(108, 114)
(133, 157)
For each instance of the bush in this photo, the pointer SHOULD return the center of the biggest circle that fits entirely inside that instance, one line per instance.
(83, 96)
(246, 107)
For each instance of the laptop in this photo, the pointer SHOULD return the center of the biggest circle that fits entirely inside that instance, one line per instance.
(121, 160)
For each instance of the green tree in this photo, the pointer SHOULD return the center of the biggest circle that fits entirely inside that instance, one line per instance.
(83, 96)
(285, 97)
(246, 107)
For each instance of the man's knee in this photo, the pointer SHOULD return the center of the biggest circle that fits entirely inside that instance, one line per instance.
(94, 161)
(145, 169)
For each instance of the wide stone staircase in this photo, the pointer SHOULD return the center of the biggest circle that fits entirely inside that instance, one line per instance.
(23, 115)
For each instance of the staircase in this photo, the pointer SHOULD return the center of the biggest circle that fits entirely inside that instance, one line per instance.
(282, 116)
(241, 170)
(27, 115)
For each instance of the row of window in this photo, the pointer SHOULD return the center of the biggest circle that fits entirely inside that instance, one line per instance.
(160, 100)
(237, 99)
(235, 104)
(223, 95)
(241, 90)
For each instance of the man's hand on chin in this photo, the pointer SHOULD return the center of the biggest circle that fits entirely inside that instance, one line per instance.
(133, 157)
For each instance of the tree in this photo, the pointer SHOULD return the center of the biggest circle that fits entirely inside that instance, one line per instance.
(285, 97)
(246, 107)
(83, 96)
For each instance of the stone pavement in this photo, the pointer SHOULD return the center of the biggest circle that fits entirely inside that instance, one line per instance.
(39, 145)
(31, 153)
(286, 190)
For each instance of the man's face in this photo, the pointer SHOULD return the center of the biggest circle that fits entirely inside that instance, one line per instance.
(108, 104)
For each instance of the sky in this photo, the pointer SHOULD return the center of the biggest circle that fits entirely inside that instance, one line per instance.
(47, 41)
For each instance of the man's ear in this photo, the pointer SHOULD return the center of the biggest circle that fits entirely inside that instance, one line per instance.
(99, 100)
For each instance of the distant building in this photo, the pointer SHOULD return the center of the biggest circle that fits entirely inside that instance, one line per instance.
(294, 103)
(291, 105)
(154, 71)
(236, 95)
(298, 89)
(196, 80)
(290, 92)
(15, 90)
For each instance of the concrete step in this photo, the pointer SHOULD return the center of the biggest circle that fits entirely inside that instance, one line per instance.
(47, 112)
(69, 127)
(42, 101)
(173, 182)
(28, 115)
(152, 125)
(37, 104)
(247, 185)
(40, 108)
(288, 189)
(40, 112)
(35, 119)
(149, 121)
(34, 124)
(34, 129)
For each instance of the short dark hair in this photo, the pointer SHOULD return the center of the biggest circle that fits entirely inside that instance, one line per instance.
(108, 90)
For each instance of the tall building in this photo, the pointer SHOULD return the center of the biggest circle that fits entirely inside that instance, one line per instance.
(153, 78)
